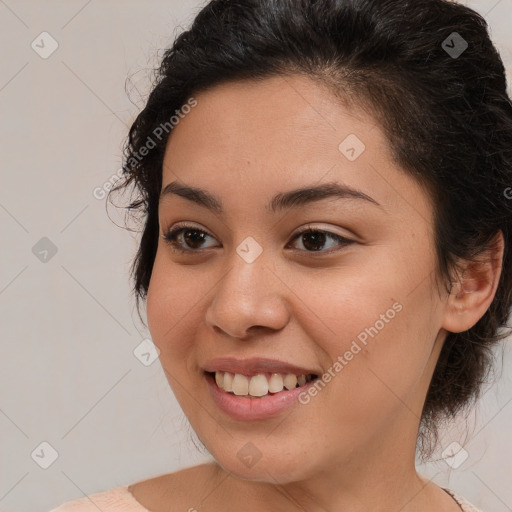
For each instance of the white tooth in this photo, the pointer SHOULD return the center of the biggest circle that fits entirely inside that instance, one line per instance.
(227, 383)
(258, 385)
(275, 384)
(240, 384)
(290, 381)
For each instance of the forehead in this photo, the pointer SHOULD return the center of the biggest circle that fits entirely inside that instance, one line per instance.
(279, 134)
(274, 120)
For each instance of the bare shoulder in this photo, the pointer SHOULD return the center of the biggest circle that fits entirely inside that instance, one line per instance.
(178, 489)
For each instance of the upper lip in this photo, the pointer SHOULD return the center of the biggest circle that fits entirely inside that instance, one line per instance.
(254, 366)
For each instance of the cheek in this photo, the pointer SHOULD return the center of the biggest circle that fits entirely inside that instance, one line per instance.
(380, 336)
(158, 302)
(170, 305)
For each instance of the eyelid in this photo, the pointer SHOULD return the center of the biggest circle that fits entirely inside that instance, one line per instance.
(186, 224)
(313, 226)
(310, 226)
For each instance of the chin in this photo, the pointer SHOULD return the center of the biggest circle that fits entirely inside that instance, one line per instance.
(273, 469)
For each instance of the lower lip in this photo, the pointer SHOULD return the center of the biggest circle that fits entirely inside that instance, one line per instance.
(250, 409)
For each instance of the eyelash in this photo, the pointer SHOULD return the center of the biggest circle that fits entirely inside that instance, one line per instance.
(170, 238)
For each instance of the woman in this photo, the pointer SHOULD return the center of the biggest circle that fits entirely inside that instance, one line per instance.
(326, 255)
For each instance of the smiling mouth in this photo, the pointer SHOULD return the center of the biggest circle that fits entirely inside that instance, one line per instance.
(261, 385)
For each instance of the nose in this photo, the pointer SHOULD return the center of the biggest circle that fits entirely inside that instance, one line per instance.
(250, 297)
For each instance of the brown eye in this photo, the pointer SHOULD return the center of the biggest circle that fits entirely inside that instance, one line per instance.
(186, 238)
(314, 239)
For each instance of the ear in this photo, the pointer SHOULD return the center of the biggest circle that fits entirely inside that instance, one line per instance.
(473, 293)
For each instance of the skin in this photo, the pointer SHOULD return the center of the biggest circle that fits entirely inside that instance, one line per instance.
(352, 446)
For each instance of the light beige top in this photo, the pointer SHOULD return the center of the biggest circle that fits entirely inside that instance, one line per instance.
(120, 499)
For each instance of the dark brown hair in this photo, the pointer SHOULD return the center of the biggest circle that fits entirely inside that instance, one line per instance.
(445, 112)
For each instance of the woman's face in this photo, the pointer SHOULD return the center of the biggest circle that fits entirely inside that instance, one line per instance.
(364, 314)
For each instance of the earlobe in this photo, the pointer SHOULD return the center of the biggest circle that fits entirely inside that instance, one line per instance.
(472, 294)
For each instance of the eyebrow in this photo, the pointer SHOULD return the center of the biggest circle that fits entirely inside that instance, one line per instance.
(281, 201)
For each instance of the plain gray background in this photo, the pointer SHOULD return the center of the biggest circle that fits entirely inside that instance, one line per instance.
(68, 372)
